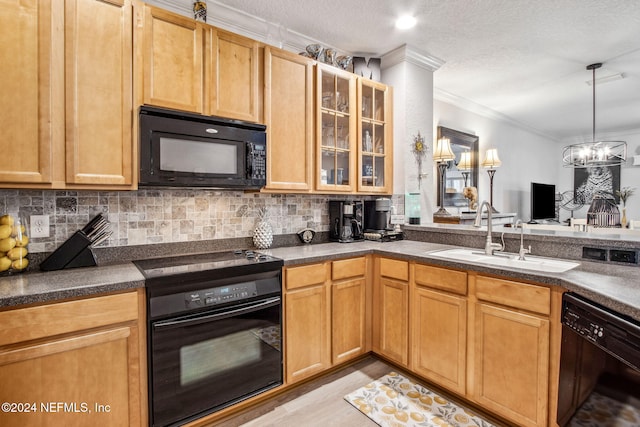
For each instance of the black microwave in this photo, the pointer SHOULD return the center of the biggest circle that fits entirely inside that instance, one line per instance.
(179, 149)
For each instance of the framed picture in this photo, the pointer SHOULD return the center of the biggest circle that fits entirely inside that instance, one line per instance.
(591, 180)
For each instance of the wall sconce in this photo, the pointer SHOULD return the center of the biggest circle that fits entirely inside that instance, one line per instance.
(491, 162)
(442, 155)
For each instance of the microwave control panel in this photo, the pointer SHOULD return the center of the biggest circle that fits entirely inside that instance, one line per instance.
(257, 161)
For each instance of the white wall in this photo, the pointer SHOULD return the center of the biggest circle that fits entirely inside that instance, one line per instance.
(526, 157)
(410, 72)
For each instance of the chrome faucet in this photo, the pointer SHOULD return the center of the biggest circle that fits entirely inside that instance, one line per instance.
(489, 246)
(522, 252)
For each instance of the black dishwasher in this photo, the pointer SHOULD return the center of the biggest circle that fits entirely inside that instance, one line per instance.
(599, 365)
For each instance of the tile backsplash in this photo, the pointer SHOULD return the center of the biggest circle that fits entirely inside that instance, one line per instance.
(151, 216)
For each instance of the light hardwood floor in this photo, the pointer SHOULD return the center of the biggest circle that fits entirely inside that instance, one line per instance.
(317, 403)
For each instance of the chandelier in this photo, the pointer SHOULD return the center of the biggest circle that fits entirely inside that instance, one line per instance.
(594, 153)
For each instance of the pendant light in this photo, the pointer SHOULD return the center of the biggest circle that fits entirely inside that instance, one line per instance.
(594, 153)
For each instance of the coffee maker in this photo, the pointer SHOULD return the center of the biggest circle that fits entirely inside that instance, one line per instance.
(377, 221)
(346, 221)
(377, 213)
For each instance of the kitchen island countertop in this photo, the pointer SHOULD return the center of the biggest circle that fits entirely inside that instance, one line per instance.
(612, 285)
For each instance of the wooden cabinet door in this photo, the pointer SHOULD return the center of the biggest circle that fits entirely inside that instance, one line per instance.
(375, 137)
(98, 72)
(173, 67)
(94, 371)
(511, 364)
(307, 326)
(392, 320)
(86, 354)
(30, 94)
(234, 76)
(288, 110)
(336, 113)
(348, 319)
(439, 338)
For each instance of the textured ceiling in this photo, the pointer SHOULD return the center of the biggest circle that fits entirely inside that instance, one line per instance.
(523, 59)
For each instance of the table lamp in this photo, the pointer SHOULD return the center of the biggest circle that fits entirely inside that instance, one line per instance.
(491, 162)
(442, 155)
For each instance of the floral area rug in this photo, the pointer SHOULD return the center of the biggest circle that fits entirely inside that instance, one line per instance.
(395, 401)
(600, 411)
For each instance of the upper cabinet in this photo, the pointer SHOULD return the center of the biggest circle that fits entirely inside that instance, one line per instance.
(173, 61)
(375, 159)
(336, 115)
(235, 76)
(288, 100)
(191, 66)
(67, 95)
(98, 92)
(28, 119)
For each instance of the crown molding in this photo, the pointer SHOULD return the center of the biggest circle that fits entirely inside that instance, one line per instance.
(412, 55)
(481, 110)
(228, 18)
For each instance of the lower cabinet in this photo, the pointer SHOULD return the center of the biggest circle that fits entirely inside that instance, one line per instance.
(325, 319)
(349, 336)
(391, 309)
(487, 339)
(511, 350)
(306, 321)
(75, 363)
(439, 326)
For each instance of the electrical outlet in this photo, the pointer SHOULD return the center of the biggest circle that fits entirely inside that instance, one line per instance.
(39, 226)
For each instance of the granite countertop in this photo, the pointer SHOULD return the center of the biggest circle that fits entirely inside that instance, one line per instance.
(614, 286)
(51, 286)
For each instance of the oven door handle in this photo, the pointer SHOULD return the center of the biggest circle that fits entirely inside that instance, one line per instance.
(218, 316)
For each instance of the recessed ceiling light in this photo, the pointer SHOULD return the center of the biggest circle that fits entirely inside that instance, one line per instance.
(405, 22)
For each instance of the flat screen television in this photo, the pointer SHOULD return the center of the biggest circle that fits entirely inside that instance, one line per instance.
(543, 201)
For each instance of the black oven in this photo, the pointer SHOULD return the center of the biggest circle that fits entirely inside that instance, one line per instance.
(599, 380)
(214, 332)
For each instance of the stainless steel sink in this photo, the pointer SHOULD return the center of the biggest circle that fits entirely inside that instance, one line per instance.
(506, 260)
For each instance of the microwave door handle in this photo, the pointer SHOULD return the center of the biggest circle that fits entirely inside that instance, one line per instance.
(169, 324)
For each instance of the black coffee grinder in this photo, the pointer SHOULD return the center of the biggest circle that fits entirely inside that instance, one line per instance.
(346, 221)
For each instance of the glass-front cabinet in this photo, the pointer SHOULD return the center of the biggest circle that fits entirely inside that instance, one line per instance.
(337, 129)
(374, 137)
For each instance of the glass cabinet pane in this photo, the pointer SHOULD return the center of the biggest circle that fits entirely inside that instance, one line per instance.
(367, 137)
(328, 129)
(342, 132)
(379, 105)
(378, 138)
(328, 92)
(337, 128)
(327, 173)
(372, 147)
(342, 95)
(378, 167)
(367, 102)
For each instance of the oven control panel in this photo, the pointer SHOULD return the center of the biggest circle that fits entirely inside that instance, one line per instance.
(220, 295)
